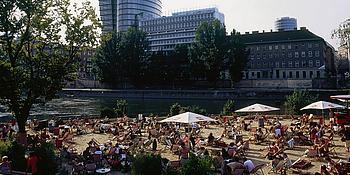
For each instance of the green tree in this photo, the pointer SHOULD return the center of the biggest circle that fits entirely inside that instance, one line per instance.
(40, 41)
(197, 166)
(343, 33)
(237, 56)
(121, 107)
(175, 109)
(122, 58)
(298, 100)
(209, 51)
(229, 107)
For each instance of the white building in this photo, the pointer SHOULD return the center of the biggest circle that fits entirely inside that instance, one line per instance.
(166, 32)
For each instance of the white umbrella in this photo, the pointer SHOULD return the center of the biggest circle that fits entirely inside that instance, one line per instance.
(188, 117)
(257, 108)
(322, 105)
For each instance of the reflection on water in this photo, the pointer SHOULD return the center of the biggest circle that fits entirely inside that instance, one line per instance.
(81, 106)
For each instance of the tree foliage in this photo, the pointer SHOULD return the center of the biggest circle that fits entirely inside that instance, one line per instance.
(229, 107)
(144, 164)
(121, 108)
(176, 109)
(343, 33)
(197, 166)
(298, 100)
(122, 57)
(39, 42)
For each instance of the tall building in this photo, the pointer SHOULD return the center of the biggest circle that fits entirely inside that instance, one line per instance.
(287, 59)
(119, 15)
(180, 28)
(286, 24)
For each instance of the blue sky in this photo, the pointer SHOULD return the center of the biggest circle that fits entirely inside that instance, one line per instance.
(319, 16)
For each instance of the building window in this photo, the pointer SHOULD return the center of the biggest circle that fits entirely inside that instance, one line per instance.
(310, 53)
(283, 74)
(289, 46)
(318, 74)
(297, 74)
(318, 63)
(257, 48)
(296, 63)
(283, 47)
(311, 63)
(258, 75)
(303, 54)
(303, 63)
(270, 56)
(258, 56)
(317, 53)
(290, 55)
(290, 64)
(309, 45)
(270, 47)
(271, 64)
(276, 47)
(290, 74)
(277, 64)
(277, 74)
(304, 74)
(253, 74)
(283, 64)
(311, 73)
(296, 54)
(276, 55)
(283, 54)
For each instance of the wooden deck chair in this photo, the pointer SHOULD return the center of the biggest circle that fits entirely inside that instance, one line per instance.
(312, 153)
(279, 167)
(239, 171)
(257, 168)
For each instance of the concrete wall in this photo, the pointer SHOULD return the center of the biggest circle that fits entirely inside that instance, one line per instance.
(289, 83)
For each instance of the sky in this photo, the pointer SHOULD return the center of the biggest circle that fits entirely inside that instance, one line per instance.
(319, 16)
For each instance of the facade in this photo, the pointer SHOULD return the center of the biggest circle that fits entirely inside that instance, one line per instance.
(85, 65)
(166, 32)
(286, 24)
(287, 59)
(119, 15)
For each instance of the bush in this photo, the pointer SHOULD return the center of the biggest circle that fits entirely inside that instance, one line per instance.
(121, 107)
(145, 164)
(4, 148)
(47, 163)
(107, 112)
(16, 154)
(298, 100)
(197, 166)
(178, 109)
(229, 108)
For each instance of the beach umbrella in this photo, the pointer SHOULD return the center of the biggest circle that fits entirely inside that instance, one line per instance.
(257, 108)
(188, 117)
(322, 105)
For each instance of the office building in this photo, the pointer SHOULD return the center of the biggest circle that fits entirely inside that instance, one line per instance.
(119, 15)
(287, 59)
(180, 28)
(286, 23)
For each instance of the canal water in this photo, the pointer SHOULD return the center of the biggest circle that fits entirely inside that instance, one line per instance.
(80, 106)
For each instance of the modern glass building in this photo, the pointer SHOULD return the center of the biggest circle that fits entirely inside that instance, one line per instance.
(286, 24)
(166, 32)
(119, 15)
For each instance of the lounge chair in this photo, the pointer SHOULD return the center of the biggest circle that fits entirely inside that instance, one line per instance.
(257, 168)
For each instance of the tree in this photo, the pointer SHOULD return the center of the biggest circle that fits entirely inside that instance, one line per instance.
(122, 57)
(121, 107)
(209, 50)
(343, 33)
(237, 56)
(229, 107)
(298, 100)
(40, 41)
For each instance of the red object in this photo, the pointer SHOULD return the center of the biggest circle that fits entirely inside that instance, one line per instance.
(59, 142)
(33, 163)
(56, 131)
(321, 121)
(342, 118)
(225, 119)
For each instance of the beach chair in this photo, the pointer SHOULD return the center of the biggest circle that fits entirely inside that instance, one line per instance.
(78, 169)
(257, 168)
(280, 168)
(240, 171)
(90, 168)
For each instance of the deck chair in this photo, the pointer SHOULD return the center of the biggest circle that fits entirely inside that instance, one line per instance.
(312, 153)
(257, 168)
(280, 167)
(78, 169)
(238, 172)
(90, 168)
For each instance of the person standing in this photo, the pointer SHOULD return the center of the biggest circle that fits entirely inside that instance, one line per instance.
(32, 163)
(347, 138)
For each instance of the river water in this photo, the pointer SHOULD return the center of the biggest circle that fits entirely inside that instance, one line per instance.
(80, 106)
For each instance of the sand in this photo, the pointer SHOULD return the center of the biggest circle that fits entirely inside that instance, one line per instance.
(80, 143)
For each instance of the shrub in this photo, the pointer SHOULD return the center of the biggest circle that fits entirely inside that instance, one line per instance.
(144, 164)
(4, 148)
(197, 166)
(16, 154)
(107, 112)
(298, 100)
(47, 163)
(229, 107)
(177, 109)
(121, 107)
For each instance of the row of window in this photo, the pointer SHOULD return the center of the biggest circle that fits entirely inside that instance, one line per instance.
(302, 54)
(175, 41)
(174, 35)
(283, 74)
(174, 19)
(284, 47)
(291, 64)
(193, 24)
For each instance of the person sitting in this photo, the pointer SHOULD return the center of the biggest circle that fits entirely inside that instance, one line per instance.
(184, 153)
(233, 166)
(248, 164)
(323, 149)
(211, 139)
(273, 151)
(324, 170)
(331, 166)
(5, 166)
(232, 148)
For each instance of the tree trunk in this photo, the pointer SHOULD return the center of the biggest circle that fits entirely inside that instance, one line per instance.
(22, 120)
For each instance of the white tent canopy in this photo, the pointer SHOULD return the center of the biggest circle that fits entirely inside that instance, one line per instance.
(257, 108)
(322, 105)
(188, 117)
